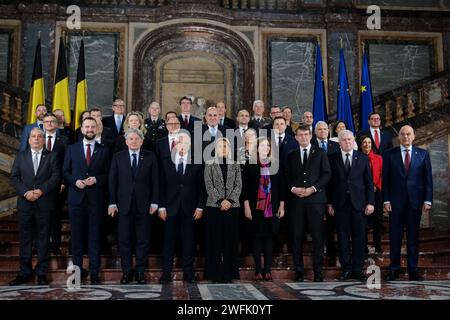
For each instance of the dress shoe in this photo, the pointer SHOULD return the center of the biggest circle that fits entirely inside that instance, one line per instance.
(392, 276)
(191, 279)
(165, 278)
(127, 277)
(259, 277)
(318, 277)
(18, 280)
(379, 250)
(360, 276)
(140, 278)
(268, 277)
(84, 275)
(299, 276)
(415, 276)
(345, 276)
(95, 280)
(42, 280)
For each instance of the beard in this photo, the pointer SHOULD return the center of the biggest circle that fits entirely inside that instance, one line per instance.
(89, 136)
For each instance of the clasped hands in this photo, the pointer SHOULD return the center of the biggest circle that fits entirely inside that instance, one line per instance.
(81, 184)
(33, 195)
(303, 192)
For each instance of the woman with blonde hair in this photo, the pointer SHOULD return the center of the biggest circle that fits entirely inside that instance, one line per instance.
(223, 186)
(133, 120)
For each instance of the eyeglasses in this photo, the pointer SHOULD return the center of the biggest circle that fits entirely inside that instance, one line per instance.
(118, 105)
(173, 123)
(50, 121)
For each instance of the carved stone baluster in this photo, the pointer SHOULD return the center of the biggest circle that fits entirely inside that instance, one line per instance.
(6, 108)
(18, 112)
(411, 106)
(253, 4)
(235, 4)
(399, 115)
(388, 113)
(421, 100)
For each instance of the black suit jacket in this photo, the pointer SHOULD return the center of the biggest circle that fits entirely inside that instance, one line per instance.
(110, 123)
(317, 174)
(75, 168)
(229, 123)
(359, 182)
(332, 146)
(163, 148)
(60, 146)
(152, 128)
(47, 179)
(185, 191)
(192, 120)
(121, 144)
(385, 140)
(144, 186)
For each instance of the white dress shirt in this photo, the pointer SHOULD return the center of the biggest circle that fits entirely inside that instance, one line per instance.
(52, 139)
(308, 150)
(344, 157)
(85, 143)
(277, 138)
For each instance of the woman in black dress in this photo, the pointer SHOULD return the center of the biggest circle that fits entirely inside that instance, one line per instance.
(223, 186)
(264, 206)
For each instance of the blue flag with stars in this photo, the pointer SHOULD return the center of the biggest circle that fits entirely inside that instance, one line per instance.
(344, 105)
(366, 94)
(319, 103)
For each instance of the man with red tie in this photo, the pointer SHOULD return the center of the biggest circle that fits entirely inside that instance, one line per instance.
(85, 171)
(186, 118)
(381, 140)
(407, 192)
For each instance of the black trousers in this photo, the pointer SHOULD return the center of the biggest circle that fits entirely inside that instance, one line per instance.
(138, 224)
(184, 224)
(330, 229)
(57, 215)
(263, 245)
(34, 222)
(303, 216)
(350, 224)
(85, 219)
(398, 219)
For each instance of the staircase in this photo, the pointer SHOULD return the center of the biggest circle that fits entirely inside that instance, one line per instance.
(423, 104)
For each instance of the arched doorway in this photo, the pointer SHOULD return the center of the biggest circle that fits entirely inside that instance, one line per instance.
(193, 59)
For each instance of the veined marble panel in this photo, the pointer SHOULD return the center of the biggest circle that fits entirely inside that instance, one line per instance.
(4, 52)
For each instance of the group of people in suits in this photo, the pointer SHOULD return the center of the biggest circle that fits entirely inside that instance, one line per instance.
(136, 169)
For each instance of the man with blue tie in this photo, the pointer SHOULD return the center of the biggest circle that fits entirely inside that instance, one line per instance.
(134, 196)
(115, 122)
(351, 199)
(407, 192)
(85, 170)
(211, 131)
(41, 110)
(182, 200)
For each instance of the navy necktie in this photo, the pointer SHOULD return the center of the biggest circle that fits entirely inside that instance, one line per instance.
(180, 167)
(305, 158)
(324, 145)
(347, 163)
(134, 165)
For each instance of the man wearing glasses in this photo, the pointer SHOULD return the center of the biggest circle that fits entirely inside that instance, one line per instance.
(381, 140)
(115, 122)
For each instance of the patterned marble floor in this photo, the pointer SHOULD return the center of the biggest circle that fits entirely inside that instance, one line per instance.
(277, 290)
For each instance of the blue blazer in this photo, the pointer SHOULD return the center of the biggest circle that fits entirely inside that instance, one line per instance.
(359, 181)
(288, 145)
(144, 186)
(24, 137)
(75, 168)
(414, 188)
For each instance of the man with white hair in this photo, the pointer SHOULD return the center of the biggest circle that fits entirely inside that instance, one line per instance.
(351, 199)
(258, 120)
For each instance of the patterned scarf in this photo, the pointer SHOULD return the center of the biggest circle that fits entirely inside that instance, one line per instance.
(264, 201)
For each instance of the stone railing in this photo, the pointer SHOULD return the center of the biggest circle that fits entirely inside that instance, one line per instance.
(414, 99)
(13, 102)
(274, 5)
(88, 3)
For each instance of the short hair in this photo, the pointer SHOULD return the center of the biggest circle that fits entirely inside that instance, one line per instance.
(373, 113)
(133, 130)
(320, 122)
(279, 117)
(221, 102)
(185, 98)
(302, 127)
(49, 114)
(82, 114)
(95, 110)
(286, 107)
(40, 105)
(257, 102)
(361, 139)
(345, 132)
(242, 110)
(39, 130)
(169, 112)
(88, 118)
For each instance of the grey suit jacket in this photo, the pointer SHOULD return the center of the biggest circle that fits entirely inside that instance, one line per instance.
(215, 187)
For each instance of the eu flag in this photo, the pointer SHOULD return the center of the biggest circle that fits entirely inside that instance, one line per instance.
(344, 105)
(366, 95)
(319, 103)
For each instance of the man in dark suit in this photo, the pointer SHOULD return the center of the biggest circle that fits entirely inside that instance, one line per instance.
(258, 121)
(381, 140)
(182, 201)
(56, 142)
(153, 124)
(211, 131)
(35, 175)
(351, 199)
(283, 142)
(308, 172)
(134, 195)
(85, 170)
(321, 140)
(187, 120)
(223, 120)
(165, 145)
(407, 192)
(41, 110)
(115, 122)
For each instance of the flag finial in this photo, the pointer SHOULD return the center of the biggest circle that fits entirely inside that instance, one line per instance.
(342, 42)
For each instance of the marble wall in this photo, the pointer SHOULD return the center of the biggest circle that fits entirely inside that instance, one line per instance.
(407, 3)
(394, 65)
(47, 32)
(291, 74)
(102, 69)
(4, 55)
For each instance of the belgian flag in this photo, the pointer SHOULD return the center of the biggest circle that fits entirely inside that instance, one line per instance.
(37, 95)
(61, 98)
(81, 89)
